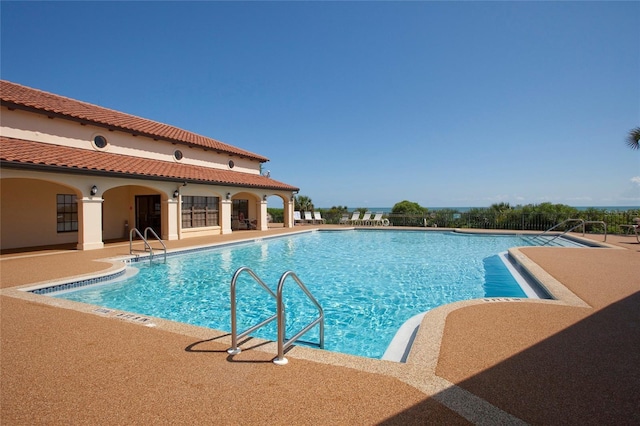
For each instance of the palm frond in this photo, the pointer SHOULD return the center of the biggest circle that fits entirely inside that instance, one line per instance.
(633, 138)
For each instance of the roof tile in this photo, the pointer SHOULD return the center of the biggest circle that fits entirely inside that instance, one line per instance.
(18, 152)
(16, 95)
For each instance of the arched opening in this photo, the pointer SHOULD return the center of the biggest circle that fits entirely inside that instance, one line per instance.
(246, 211)
(133, 206)
(276, 211)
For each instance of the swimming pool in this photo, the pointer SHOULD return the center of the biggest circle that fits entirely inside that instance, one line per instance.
(368, 283)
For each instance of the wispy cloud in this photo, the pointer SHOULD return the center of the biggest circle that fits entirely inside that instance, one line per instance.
(636, 180)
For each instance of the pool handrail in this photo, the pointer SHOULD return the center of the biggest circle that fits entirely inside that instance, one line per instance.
(282, 345)
(234, 349)
(600, 222)
(147, 246)
(145, 240)
(581, 222)
(545, 242)
(279, 315)
(164, 247)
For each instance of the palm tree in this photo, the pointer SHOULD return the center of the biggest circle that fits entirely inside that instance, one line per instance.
(303, 203)
(633, 138)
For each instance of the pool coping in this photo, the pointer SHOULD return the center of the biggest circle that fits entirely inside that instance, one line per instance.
(419, 370)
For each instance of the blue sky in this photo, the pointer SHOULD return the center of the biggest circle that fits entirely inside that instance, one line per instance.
(366, 104)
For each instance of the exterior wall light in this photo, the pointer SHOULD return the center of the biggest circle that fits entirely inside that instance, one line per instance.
(176, 193)
(264, 197)
(228, 195)
(94, 190)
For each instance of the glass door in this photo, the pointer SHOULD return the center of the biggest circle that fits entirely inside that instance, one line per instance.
(148, 213)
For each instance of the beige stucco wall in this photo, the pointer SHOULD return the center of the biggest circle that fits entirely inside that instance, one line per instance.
(36, 127)
(28, 213)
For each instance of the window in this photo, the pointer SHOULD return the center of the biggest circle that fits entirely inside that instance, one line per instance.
(67, 213)
(177, 154)
(231, 164)
(100, 142)
(198, 212)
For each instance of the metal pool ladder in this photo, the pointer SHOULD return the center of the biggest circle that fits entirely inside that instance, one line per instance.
(145, 240)
(280, 316)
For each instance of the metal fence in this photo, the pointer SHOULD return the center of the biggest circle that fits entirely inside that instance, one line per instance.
(507, 221)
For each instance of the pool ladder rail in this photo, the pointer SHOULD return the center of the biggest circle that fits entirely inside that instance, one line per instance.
(280, 315)
(540, 238)
(145, 240)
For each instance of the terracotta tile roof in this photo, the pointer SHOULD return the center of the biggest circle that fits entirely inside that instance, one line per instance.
(36, 155)
(22, 97)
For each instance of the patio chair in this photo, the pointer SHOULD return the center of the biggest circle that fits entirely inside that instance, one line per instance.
(244, 223)
(366, 219)
(344, 219)
(355, 217)
(377, 220)
(317, 217)
(297, 218)
(307, 217)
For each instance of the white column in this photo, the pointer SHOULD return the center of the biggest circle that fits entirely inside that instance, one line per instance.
(263, 223)
(225, 216)
(288, 214)
(90, 223)
(171, 219)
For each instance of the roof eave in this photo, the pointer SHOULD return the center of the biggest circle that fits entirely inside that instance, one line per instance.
(106, 173)
(110, 127)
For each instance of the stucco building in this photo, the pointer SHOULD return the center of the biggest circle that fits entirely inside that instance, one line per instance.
(73, 172)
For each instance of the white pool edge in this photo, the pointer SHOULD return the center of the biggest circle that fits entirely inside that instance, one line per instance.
(400, 346)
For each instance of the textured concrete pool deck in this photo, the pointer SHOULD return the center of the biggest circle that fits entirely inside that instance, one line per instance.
(574, 360)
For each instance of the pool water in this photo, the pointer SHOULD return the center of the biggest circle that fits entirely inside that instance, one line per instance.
(368, 283)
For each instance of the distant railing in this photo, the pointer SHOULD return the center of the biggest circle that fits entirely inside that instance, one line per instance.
(505, 220)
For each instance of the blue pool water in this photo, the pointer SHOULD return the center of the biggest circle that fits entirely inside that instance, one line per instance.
(368, 283)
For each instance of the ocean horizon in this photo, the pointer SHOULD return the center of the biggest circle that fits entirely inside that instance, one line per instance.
(466, 209)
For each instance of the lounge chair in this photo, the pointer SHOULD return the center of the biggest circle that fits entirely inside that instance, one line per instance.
(632, 229)
(297, 218)
(377, 220)
(317, 218)
(366, 219)
(307, 217)
(355, 217)
(344, 219)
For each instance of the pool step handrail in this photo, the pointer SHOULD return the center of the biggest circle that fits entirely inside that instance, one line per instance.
(235, 349)
(147, 246)
(280, 315)
(164, 247)
(600, 222)
(539, 239)
(282, 345)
